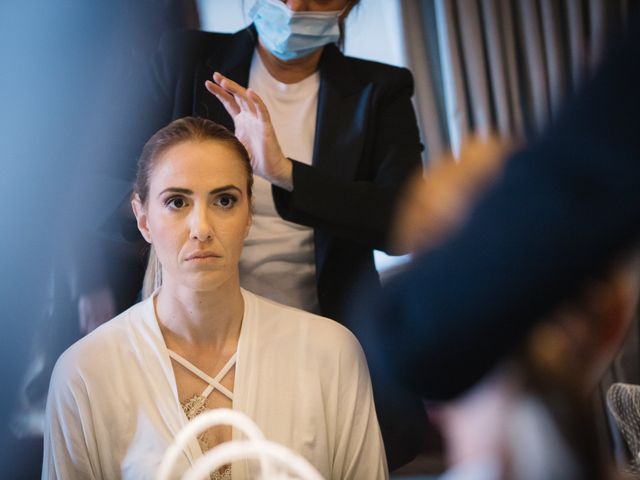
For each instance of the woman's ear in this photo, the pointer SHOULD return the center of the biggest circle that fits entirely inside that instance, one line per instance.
(141, 217)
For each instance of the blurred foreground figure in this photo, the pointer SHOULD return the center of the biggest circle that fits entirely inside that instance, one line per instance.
(532, 418)
(555, 217)
(65, 66)
(432, 206)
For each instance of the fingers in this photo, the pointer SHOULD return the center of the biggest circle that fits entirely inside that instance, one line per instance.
(229, 85)
(261, 108)
(236, 98)
(239, 92)
(247, 105)
(227, 100)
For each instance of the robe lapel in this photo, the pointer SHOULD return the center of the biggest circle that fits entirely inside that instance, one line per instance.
(343, 104)
(232, 58)
(153, 352)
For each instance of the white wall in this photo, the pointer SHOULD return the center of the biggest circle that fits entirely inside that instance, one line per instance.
(223, 15)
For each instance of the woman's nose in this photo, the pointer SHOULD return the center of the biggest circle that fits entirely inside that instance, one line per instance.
(201, 227)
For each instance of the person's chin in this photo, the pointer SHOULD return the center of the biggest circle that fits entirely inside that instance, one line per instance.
(209, 280)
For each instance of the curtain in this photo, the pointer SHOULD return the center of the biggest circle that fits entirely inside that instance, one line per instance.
(501, 66)
(505, 66)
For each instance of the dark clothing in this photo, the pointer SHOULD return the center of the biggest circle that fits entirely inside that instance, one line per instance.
(559, 213)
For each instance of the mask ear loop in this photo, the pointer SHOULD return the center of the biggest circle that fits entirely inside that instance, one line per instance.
(342, 17)
(346, 9)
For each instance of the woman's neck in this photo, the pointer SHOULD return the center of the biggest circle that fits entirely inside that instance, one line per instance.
(292, 71)
(200, 319)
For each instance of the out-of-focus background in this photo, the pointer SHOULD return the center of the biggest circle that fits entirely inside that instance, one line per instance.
(478, 65)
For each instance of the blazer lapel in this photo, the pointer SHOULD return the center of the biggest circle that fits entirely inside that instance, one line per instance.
(232, 58)
(343, 103)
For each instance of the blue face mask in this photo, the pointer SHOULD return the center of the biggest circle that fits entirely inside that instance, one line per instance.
(290, 35)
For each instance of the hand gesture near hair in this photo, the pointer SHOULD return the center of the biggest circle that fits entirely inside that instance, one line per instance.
(254, 129)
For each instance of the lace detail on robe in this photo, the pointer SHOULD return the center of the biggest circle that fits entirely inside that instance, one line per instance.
(198, 403)
(192, 408)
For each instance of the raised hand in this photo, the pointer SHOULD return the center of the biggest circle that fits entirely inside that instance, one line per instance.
(254, 129)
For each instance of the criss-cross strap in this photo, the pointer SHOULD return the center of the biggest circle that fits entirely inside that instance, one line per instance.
(214, 383)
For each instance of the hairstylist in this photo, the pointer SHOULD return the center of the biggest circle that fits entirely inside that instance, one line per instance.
(346, 127)
(338, 141)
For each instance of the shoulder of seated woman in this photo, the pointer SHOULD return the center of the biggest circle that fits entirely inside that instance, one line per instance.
(92, 351)
(326, 334)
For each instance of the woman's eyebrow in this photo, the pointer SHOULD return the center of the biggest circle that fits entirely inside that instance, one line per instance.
(224, 188)
(186, 191)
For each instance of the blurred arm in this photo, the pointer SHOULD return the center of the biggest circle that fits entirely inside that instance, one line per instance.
(563, 207)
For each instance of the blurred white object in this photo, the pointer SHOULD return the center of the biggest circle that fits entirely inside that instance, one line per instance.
(272, 457)
(261, 449)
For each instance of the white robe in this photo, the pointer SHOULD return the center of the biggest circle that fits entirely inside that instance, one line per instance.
(113, 406)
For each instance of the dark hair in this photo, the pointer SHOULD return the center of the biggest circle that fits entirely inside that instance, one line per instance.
(183, 130)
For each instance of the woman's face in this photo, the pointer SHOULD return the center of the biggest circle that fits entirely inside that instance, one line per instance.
(315, 5)
(197, 213)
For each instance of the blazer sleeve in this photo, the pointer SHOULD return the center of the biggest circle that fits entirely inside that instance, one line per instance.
(562, 209)
(361, 210)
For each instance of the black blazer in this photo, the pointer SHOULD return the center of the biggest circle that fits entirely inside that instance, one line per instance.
(366, 143)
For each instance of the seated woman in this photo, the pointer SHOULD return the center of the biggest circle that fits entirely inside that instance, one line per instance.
(119, 396)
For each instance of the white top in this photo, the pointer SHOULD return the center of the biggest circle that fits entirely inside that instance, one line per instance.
(113, 406)
(278, 257)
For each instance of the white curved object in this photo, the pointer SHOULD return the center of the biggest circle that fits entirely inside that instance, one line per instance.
(232, 451)
(208, 419)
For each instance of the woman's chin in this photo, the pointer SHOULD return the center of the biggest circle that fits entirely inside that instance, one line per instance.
(209, 281)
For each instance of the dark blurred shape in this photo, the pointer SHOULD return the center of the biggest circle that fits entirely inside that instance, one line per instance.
(562, 209)
(65, 69)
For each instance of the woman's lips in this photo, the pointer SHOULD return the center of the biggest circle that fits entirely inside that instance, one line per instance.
(202, 256)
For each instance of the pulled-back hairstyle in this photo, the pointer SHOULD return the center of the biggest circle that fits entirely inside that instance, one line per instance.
(186, 129)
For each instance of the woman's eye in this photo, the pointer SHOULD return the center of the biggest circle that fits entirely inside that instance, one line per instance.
(226, 201)
(176, 203)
